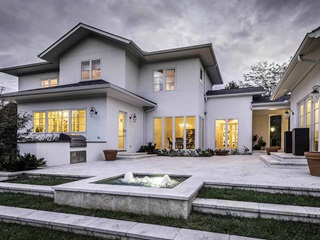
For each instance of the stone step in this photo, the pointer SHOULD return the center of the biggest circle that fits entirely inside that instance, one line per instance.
(287, 157)
(104, 227)
(125, 155)
(257, 210)
(39, 190)
(301, 190)
(285, 163)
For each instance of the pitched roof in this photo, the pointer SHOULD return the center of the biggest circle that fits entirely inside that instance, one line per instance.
(247, 91)
(204, 51)
(266, 99)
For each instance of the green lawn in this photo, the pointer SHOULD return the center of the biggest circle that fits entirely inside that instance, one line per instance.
(259, 228)
(47, 181)
(13, 231)
(261, 197)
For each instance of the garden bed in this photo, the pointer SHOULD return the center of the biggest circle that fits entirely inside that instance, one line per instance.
(260, 197)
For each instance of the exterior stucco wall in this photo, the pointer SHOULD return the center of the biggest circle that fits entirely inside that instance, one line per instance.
(302, 91)
(91, 48)
(230, 108)
(96, 125)
(34, 81)
(132, 73)
(134, 131)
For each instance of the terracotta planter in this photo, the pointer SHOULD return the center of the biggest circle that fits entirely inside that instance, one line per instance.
(221, 152)
(313, 159)
(110, 155)
(272, 149)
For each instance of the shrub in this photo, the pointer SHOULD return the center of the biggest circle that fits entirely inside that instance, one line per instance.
(26, 162)
(150, 148)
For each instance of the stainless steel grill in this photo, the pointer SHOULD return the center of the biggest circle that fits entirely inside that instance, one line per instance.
(75, 140)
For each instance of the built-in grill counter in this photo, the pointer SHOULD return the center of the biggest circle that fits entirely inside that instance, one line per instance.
(76, 141)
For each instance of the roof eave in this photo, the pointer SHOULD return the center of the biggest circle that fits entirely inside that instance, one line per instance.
(235, 94)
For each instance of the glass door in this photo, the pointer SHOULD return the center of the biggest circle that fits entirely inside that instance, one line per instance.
(121, 131)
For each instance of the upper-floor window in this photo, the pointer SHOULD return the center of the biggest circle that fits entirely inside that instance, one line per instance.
(49, 82)
(90, 70)
(164, 80)
(201, 76)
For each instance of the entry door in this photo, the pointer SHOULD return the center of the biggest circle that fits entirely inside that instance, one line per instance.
(122, 131)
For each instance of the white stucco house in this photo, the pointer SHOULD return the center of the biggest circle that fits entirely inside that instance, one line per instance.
(302, 80)
(104, 87)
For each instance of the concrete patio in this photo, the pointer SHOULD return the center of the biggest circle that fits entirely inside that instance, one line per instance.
(245, 169)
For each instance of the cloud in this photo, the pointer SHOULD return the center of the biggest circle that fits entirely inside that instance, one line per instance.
(242, 32)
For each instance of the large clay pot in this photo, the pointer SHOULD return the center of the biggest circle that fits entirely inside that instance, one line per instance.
(272, 149)
(222, 152)
(110, 155)
(313, 159)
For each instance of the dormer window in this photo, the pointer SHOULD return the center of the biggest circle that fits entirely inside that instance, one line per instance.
(164, 80)
(49, 82)
(90, 70)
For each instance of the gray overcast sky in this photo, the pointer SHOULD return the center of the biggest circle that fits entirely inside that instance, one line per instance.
(243, 32)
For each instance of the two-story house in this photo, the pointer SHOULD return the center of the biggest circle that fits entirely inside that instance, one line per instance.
(118, 96)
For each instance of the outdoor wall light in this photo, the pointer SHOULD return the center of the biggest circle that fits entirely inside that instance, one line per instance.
(315, 94)
(287, 114)
(272, 129)
(93, 112)
(133, 117)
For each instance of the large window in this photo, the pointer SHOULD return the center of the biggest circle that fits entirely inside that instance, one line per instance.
(164, 79)
(301, 115)
(49, 82)
(175, 132)
(60, 121)
(90, 70)
(227, 133)
(316, 127)
(157, 131)
(39, 122)
(78, 120)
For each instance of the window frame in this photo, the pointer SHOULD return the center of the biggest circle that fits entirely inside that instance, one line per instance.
(90, 69)
(164, 78)
(49, 79)
(69, 119)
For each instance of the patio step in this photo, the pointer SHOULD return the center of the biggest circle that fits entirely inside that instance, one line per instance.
(301, 190)
(104, 227)
(257, 210)
(278, 162)
(126, 155)
(39, 190)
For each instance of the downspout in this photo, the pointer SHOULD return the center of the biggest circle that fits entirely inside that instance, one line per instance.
(145, 120)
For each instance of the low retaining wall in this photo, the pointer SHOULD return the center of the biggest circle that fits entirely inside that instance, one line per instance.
(58, 153)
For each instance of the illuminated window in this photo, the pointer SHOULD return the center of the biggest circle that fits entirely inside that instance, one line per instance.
(301, 115)
(49, 82)
(39, 122)
(179, 132)
(164, 79)
(90, 70)
(190, 132)
(78, 120)
(316, 127)
(157, 132)
(227, 133)
(168, 133)
(58, 121)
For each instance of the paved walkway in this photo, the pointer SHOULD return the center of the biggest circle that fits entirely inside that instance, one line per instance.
(246, 169)
(105, 227)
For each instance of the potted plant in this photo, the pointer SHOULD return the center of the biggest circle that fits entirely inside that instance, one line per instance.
(313, 159)
(221, 152)
(262, 142)
(110, 155)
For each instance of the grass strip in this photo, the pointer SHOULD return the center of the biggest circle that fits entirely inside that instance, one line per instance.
(258, 228)
(260, 197)
(46, 181)
(14, 231)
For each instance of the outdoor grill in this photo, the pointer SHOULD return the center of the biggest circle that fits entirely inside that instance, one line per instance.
(74, 139)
